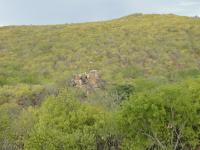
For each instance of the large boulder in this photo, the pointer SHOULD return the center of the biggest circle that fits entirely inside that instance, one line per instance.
(88, 81)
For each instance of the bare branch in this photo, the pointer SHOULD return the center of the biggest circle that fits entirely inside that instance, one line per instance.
(154, 138)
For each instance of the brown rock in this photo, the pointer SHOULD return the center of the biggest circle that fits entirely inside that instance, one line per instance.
(89, 81)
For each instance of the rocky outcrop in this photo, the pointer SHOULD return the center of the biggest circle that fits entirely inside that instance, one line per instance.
(88, 81)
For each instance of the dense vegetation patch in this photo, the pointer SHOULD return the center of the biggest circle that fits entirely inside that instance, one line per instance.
(150, 98)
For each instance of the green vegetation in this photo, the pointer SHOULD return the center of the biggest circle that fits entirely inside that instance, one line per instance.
(150, 98)
(165, 118)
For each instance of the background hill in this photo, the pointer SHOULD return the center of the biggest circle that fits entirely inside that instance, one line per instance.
(132, 53)
(139, 45)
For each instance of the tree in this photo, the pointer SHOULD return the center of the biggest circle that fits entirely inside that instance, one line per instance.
(65, 123)
(165, 118)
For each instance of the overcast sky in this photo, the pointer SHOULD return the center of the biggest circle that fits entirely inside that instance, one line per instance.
(18, 12)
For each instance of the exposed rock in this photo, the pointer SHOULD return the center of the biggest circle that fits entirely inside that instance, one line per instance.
(88, 81)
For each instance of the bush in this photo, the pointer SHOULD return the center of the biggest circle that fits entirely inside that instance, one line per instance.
(21, 127)
(22, 94)
(65, 123)
(8, 113)
(165, 118)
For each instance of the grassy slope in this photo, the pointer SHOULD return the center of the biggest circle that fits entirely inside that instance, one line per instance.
(37, 60)
(150, 46)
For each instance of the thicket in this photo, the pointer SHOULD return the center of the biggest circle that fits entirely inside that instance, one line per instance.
(151, 98)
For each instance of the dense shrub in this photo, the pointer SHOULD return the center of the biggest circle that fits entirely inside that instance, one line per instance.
(65, 123)
(137, 56)
(123, 92)
(8, 113)
(22, 94)
(165, 118)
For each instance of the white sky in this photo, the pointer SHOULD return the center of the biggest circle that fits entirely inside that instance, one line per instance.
(18, 12)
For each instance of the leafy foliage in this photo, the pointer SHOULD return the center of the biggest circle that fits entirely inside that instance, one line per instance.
(151, 100)
(166, 118)
(65, 123)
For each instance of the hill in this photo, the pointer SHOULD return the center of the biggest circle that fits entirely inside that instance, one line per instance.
(132, 54)
(125, 48)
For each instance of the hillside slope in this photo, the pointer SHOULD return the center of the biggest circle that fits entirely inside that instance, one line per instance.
(38, 60)
(160, 46)
(128, 83)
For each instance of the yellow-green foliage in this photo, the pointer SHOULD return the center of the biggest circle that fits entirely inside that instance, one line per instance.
(22, 93)
(125, 48)
(164, 118)
(136, 55)
(65, 123)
